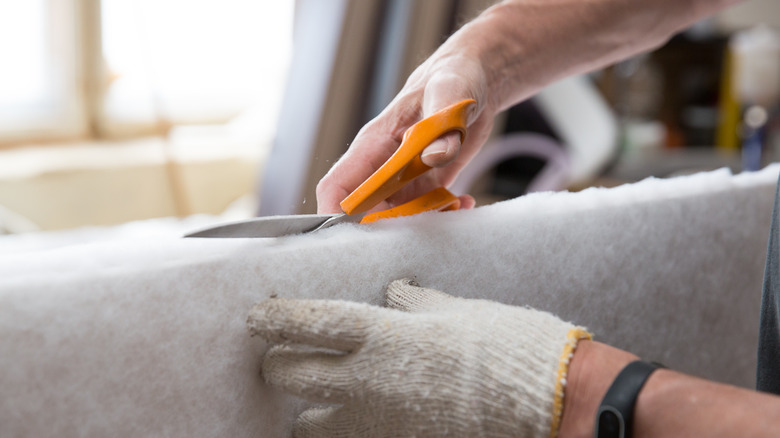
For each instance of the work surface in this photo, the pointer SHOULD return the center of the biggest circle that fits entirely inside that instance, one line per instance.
(148, 337)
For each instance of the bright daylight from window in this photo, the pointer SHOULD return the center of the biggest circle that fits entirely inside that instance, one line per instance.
(191, 61)
(118, 110)
(36, 83)
(25, 84)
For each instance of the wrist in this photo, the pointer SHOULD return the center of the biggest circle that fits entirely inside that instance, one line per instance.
(593, 368)
(491, 42)
(525, 45)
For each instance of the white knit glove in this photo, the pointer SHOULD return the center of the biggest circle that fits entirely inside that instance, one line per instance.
(430, 365)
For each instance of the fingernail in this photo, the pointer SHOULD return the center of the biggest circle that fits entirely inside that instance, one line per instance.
(438, 147)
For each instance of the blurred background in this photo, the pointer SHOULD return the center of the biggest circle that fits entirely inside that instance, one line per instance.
(114, 111)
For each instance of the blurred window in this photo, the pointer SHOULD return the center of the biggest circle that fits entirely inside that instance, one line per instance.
(37, 79)
(123, 68)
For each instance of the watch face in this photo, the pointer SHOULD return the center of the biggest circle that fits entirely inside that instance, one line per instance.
(609, 423)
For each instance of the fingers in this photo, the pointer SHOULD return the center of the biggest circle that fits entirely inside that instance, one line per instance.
(329, 195)
(442, 90)
(467, 202)
(442, 151)
(373, 145)
(334, 422)
(314, 375)
(339, 325)
(407, 295)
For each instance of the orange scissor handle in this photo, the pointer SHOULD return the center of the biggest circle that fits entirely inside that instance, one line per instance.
(437, 199)
(405, 164)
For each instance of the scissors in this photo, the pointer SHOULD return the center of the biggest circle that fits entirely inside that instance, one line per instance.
(400, 169)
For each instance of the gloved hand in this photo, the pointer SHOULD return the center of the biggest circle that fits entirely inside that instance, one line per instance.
(430, 365)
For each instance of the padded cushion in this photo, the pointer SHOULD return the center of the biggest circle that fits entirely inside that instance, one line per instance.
(147, 336)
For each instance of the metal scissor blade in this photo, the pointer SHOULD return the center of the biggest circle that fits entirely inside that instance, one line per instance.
(269, 226)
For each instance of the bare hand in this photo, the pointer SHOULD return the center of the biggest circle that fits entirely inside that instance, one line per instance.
(438, 83)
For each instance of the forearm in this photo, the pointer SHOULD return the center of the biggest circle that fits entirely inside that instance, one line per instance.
(670, 404)
(508, 53)
(524, 45)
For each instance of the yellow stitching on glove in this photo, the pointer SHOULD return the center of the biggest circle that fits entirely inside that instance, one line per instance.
(572, 338)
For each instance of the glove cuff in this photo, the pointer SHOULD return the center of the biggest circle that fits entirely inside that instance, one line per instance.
(573, 336)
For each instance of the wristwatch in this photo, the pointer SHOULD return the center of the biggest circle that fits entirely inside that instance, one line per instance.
(615, 416)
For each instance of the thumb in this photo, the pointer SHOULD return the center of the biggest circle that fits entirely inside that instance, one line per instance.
(407, 295)
(442, 151)
(441, 91)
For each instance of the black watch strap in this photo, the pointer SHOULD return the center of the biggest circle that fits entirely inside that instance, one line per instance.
(616, 413)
